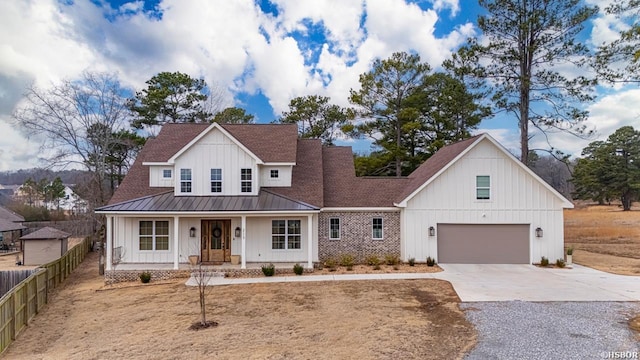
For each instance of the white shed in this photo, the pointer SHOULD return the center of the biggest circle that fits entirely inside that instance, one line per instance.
(43, 246)
(474, 202)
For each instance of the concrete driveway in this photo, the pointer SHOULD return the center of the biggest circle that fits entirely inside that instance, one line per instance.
(489, 282)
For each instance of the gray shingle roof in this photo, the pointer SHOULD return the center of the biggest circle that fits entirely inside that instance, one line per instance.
(167, 202)
(46, 233)
(6, 225)
(9, 215)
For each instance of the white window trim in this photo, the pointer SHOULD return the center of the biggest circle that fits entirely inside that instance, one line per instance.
(286, 235)
(274, 172)
(381, 229)
(211, 181)
(483, 187)
(190, 181)
(245, 181)
(154, 235)
(339, 229)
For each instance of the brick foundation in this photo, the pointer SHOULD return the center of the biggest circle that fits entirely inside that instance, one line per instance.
(356, 235)
(116, 276)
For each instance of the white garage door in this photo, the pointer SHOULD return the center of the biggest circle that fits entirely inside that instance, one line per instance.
(483, 244)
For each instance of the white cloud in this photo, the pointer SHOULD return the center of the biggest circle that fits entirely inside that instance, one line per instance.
(452, 5)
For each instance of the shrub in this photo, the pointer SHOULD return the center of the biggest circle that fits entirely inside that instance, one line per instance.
(560, 263)
(430, 261)
(396, 267)
(145, 277)
(412, 261)
(372, 260)
(298, 269)
(570, 250)
(347, 260)
(392, 259)
(544, 261)
(268, 270)
(330, 264)
(376, 267)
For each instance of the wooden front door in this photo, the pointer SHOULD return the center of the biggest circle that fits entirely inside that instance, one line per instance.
(216, 241)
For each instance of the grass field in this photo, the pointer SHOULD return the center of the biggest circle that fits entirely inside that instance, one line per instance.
(604, 237)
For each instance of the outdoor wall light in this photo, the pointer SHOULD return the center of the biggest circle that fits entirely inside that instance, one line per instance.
(238, 233)
(432, 231)
(192, 232)
(539, 232)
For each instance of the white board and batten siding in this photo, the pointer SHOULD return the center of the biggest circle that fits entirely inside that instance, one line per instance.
(157, 179)
(258, 240)
(282, 180)
(516, 198)
(215, 150)
(127, 235)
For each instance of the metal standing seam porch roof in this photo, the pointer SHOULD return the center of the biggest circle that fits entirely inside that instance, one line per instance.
(168, 202)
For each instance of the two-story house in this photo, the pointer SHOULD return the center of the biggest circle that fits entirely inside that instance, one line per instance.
(261, 193)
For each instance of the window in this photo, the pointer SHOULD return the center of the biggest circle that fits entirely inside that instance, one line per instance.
(377, 228)
(285, 234)
(245, 180)
(483, 187)
(216, 180)
(154, 235)
(166, 173)
(274, 174)
(185, 180)
(334, 228)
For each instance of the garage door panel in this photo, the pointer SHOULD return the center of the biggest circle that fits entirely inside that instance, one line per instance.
(483, 244)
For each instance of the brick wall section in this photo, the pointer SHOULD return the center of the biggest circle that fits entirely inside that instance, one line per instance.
(356, 235)
(116, 276)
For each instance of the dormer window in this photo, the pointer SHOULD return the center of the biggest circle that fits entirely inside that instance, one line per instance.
(245, 180)
(216, 180)
(166, 173)
(185, 180)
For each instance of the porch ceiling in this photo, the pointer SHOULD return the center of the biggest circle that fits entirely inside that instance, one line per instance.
(265, 201)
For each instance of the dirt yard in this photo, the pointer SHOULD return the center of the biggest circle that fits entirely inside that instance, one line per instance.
(604, 237)
(364, 320)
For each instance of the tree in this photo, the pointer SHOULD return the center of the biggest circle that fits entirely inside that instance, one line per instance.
(75, 121)
(54, 192)
(233, 115)
(381, 102)
(527, 41)
(316, 118)
(619, 60)
(170, 98)
(610, 168)
(410, 113)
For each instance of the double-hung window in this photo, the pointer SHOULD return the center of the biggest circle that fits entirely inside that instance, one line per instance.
(334, 228)
(154, 235)
(216, 180)
(483, 187)
(376, 228)
(185, 180)
(285, 234)
(245, 180)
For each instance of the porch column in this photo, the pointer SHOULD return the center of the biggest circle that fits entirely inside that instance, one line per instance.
(108, 247)
(176, 248)
(310, 242)
(243, 255)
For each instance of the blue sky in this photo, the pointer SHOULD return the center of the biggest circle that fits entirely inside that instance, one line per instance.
(257, 55)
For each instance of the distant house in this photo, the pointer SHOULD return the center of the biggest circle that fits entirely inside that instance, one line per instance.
(261, 193)
(44, 245)
(10, 227)
(70, 202)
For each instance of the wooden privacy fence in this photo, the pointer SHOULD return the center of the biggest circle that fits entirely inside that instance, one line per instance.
(25, 300)
(11, 278)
